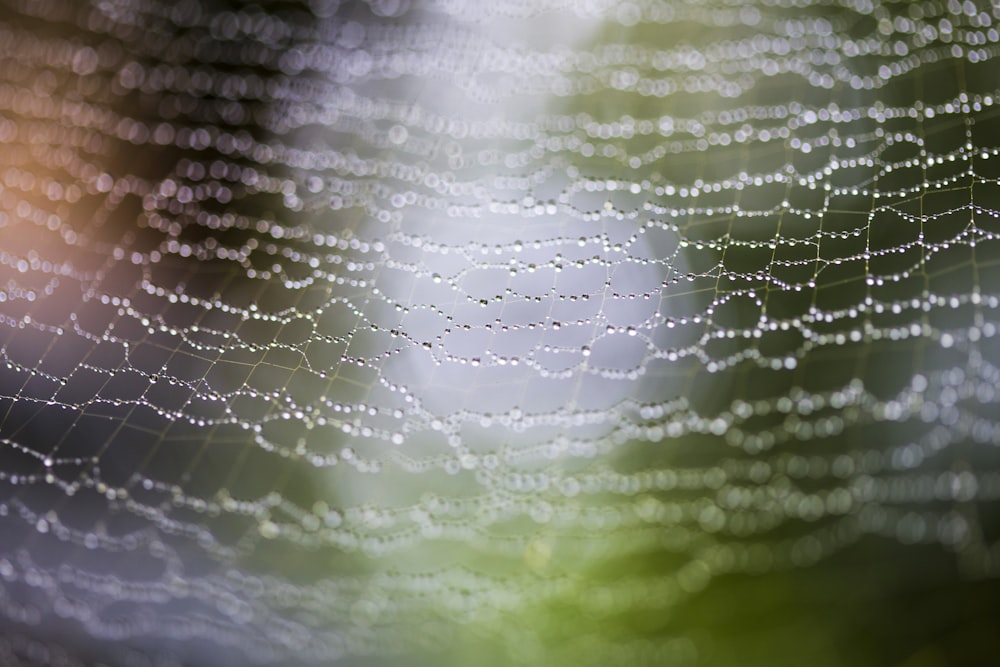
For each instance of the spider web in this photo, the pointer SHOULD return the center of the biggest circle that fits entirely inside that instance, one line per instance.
(393, 332)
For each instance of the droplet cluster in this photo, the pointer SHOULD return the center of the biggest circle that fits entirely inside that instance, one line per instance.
(337, 331)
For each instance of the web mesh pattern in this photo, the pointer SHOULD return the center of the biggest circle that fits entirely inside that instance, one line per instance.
(549, 332)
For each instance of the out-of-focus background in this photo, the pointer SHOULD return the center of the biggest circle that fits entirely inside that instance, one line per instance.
(429, 333)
